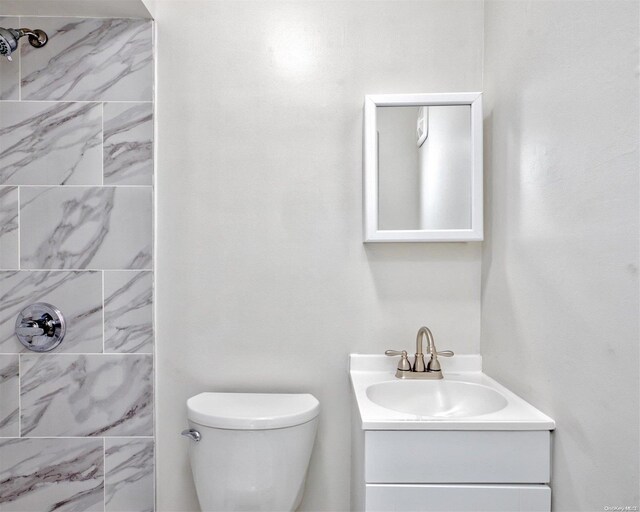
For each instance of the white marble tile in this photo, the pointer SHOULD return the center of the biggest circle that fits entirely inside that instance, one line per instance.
(46, 475)
(128, 143)
(46, 143)
(86, 395)
(128, 311)
(9, 395)
(9, 70)
(77, 294)
(8, 227)
(82, 227)
(89, 59)
(129, 475)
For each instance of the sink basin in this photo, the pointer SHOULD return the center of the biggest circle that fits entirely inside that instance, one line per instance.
(437, 398)
(466, 399)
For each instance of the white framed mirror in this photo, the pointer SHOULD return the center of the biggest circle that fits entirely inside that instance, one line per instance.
(423, 167)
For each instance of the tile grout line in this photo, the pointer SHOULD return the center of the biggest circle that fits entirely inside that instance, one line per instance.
(19, 265)
(154, 237)
(19, 395)
(76, 269)
(104, 473)
(102, 147)
(96, 185)
(77, 354)
(19, 67)
(81, 437)
(103, 315)
(77, 101)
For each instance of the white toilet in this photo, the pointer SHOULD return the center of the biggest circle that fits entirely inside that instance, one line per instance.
(251, 450)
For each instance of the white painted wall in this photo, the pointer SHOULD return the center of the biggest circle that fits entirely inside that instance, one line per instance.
(560, 258)
(263, 282)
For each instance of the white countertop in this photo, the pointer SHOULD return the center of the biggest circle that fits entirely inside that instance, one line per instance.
(366, 370)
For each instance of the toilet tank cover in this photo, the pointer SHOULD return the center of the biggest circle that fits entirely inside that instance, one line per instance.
(252, 411)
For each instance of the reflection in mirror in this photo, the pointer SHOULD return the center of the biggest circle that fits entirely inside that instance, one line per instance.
(424, 162)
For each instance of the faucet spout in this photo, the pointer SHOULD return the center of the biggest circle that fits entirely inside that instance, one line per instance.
(434, 364)
(418, 365)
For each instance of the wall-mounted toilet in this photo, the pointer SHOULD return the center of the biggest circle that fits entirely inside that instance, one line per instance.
(251, 451)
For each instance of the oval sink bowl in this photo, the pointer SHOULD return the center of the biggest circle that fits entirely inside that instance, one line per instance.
(439, 398)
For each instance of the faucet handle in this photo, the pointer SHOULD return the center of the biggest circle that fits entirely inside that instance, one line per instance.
(404, 365)
(434, 365)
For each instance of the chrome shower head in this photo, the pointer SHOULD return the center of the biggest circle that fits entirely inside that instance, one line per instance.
(9, 39)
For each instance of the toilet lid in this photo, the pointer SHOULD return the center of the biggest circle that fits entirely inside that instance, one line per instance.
(252, 411)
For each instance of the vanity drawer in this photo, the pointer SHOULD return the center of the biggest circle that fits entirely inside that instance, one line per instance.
(458, 498)
(458, 456)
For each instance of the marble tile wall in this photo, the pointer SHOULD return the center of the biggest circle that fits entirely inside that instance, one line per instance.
(76, 231)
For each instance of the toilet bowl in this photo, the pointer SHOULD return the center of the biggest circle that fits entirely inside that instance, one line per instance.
(250, 451)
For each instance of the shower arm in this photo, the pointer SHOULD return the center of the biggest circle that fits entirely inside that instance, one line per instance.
(37, 38)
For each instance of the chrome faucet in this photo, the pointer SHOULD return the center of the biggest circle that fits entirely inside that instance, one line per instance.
(419, 370)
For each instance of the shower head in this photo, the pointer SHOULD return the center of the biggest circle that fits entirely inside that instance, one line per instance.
(9, 39)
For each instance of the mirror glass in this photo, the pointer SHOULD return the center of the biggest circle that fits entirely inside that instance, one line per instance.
(424, 167)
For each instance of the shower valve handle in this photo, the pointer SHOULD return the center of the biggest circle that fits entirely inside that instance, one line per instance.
(40, 327)
(30, 328)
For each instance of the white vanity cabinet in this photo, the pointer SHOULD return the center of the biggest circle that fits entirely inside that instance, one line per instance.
(460, 470)
(463, 443)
